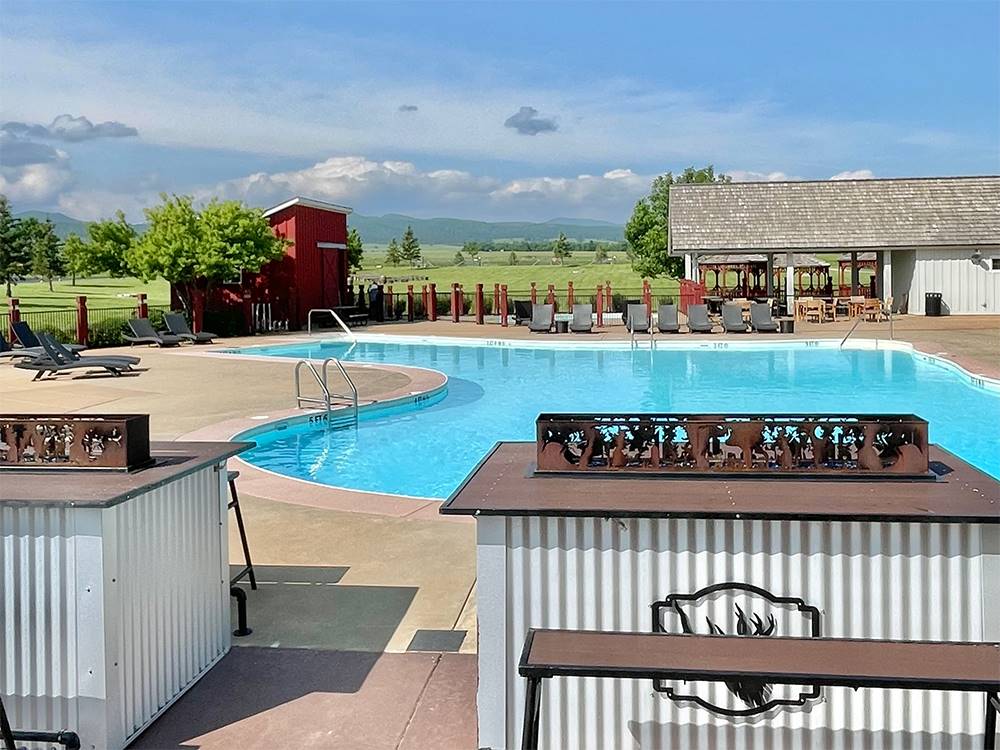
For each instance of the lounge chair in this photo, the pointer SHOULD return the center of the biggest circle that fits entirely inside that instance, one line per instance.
(541, 318)
(637, 320)
(732, 318)
(58, 358)
(666, 319)
(8, 352)
(29, 340)
(698, 321)
(760, 318)
(143, 333)
(583, 319)
(522, 312)
(178, 326)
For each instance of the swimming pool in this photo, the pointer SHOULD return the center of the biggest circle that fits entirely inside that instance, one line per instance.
(496, 391)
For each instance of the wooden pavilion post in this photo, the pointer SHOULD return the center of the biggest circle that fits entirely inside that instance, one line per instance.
(503, 305)
(854, 274)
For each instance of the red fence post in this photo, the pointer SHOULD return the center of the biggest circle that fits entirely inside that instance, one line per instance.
(607, 295)
(433, 306)
(479, 304)
(411, 313)
(496, 299)
(142, 308)
(551, 298)
(390, 303)
(247, 311)
(534, 294)
(423, 298)
(81, 320)
(456, 303)
(600, 305)
(503, 305)
(647, 297)
(15, 317)
(569, 296)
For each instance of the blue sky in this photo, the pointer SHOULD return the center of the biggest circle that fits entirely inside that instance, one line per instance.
(483, 110)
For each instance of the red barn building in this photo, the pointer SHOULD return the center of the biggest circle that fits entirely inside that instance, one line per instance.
(313, 273)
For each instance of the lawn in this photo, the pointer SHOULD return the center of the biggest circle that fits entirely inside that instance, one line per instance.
(100, 291)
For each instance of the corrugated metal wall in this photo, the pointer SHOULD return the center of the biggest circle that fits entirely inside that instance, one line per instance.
(967, 287)
(888, 580)
(115, 612)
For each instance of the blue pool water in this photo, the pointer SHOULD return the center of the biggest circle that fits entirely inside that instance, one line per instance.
(496, 393)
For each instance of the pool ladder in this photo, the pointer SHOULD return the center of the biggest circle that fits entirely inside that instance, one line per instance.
(322, 380)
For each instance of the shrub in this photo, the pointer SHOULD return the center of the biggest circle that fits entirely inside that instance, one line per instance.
(106, 333)
(59, 334)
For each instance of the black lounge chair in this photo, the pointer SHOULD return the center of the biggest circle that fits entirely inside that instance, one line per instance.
(760, 318)
(637, 320)
(732, 319)
(29, 340)
(522, 312)
(666, 319)
(541, 318)
(698, 321)
(583, 319)
(143, 333)
(8, 352)
(178, 326)
(58, 358)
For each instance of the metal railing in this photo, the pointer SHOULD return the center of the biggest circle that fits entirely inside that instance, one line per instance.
(321, 377)
(337, 318)
(848, 335)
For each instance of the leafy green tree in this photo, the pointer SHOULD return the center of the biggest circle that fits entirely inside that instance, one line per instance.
(472, 249)
(111, 242)
(647, 229)
(512, 259)
(560, 248)
(46, 256)
(14, 253)
(194, 250)
(355, 250)
(601, 254)
(77, 254)
(409, 250)
(392, 253)
(459, 258)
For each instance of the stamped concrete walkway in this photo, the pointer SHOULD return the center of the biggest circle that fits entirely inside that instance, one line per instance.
(346, 596)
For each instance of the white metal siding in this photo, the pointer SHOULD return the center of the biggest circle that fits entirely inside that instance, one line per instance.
(967, 288)
(898, 581)
(110, 614)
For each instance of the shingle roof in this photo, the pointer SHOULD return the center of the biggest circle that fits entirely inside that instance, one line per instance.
(835, 214)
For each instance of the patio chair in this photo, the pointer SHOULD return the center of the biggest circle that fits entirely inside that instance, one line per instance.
(541, 318)
(29, 340)
(522, 312)
(57, 359)
(8, 352)
(732, 318)
(143, 333)
(760, 318)
(637, 320)
(666, 319)
(178, 326)
(698, 321)
(583, 319)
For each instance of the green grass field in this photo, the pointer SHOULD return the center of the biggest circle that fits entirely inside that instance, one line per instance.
(101, 292)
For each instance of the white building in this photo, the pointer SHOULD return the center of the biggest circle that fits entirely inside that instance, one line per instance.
(937, 234)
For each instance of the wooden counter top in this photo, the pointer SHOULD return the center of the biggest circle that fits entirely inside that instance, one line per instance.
(93, 488)
(504, 484)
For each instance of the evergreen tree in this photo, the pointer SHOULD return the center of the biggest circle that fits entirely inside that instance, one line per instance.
(512, 259)
(355, 250)
(560, 248)
(392, 253)
(601, 254)
(14, 254)
(459, 258)
(46, 256)
(409, 250)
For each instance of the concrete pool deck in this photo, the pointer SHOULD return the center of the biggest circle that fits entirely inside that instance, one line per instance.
(344, 593)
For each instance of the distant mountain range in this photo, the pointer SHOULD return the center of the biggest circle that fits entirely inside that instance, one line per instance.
(381, 229)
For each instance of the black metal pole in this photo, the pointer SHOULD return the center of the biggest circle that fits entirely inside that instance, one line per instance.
(990, 742)
(5, 733)
(241, 611)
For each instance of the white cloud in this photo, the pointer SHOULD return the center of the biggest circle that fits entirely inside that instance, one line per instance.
(742, 175)
(854, 174)
(31, 173)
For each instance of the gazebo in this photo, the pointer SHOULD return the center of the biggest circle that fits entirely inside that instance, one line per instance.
(811, 275)
(862, 261)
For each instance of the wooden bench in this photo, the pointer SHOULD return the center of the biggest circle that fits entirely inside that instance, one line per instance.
(912, 665)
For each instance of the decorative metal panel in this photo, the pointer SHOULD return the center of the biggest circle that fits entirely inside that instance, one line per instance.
(842, 445)
(868, 580)
(69, 441)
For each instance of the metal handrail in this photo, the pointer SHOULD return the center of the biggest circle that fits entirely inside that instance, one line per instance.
(322, 380)
(347, 378)
(299, 398)
(340, 322)
(856, 322)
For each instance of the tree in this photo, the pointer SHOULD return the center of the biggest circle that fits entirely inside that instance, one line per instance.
(392, 253)
(560, 248)
(472, 249)
(111, 242)
(647, 229)
(601, 254)
(14, 254)
(194, 250)
(512, 259)
(355, 250)
(77, 254)
(409, 250)
(459, 258)
(46, 257)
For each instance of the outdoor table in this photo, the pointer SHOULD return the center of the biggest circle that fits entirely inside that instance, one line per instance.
(714, 305)
(116, 590)
(786, 325)
(890, 559)
(562, 321)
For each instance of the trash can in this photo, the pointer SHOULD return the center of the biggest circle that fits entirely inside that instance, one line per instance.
(932, 304)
